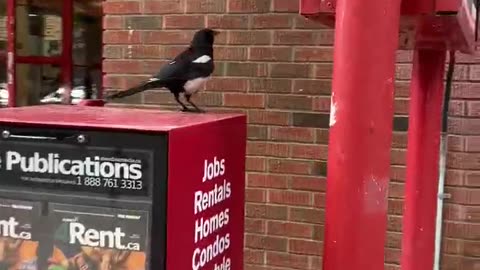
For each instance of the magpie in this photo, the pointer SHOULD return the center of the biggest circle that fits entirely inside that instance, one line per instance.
(187, 73)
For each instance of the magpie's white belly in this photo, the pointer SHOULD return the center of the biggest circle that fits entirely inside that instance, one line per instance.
(194, 85)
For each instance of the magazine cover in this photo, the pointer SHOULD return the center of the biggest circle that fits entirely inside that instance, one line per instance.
(95, 238)
(18, 239)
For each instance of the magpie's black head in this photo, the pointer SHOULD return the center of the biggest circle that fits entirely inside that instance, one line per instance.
(204, 38)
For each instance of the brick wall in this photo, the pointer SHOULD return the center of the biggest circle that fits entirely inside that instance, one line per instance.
(276, 67)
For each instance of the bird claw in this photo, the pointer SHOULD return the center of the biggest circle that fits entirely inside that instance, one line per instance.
(185, 110)
(197, 110)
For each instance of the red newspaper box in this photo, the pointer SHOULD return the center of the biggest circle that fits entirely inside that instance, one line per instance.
(128, 188)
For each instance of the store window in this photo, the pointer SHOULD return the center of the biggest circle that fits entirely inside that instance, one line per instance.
(3, 54)
(58, 46)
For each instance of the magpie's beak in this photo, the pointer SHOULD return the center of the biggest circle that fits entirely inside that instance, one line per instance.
(215, 32)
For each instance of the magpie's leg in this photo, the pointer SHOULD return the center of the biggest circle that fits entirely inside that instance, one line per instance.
(187, 97)
(177, 98)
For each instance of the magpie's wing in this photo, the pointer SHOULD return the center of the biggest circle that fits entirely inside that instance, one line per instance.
(174, 70)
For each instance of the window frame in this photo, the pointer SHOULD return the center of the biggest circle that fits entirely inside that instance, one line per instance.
(65, 60)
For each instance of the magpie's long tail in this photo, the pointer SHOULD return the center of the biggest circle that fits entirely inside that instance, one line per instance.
(136, 89)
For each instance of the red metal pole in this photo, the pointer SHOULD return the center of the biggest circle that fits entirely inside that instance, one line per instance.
(366, 36)
(421, 187)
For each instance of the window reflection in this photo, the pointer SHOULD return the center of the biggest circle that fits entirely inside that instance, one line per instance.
(37, 84)
(38, 27)
(3, 54)
(87, 48)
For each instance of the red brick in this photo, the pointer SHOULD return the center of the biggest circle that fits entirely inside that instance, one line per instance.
(122, 66)
(465, 126)
(464, 195)
(455, 178)
(402, 89)
(121, 7)
(399, 140)
(171, 52)
(243, 69)
(308, 183)
(290, 102)
(294, 38)
(272, 21)
(270, 53)
(314, 54)
(143, 51)
(307, 215)
(162, 7)
(152, 66)
(206, 6)
(321, 136)
(285, 6)
(401, 106)
(392, 255)
(398, 156)
(248, 6)
(313, 87)
(321, 104)
(254, 256)
(231, 53)
(289, 261)
(396, 190)
(475, 73)
(257, 132)
(290, 229)
(184, 22)
(255, 225)
(287, 197)
(472, 179)
(269, 85)
(305, 23)
(113, 22)
(473, 144)
(305, 247)
(319, 200)
(316, 262)
(266, 180)
(465, 90)
(289, 166)
(291, 134)
(266, 242)
(394, 223)
(395, 206)
(249, 38)
(290, 70)
(255, 164)
(457, 108)
(244, 100)
(473, 108)
(309, 151)
(227, 21)
(467, 161)
(227, 84)
(167, 37)
(266, 211)
(404, 56)
(324, 71)
(123, 82)
(112, 51)
(267, 149)
(255, 195)
(122, 37)
(268, 117)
